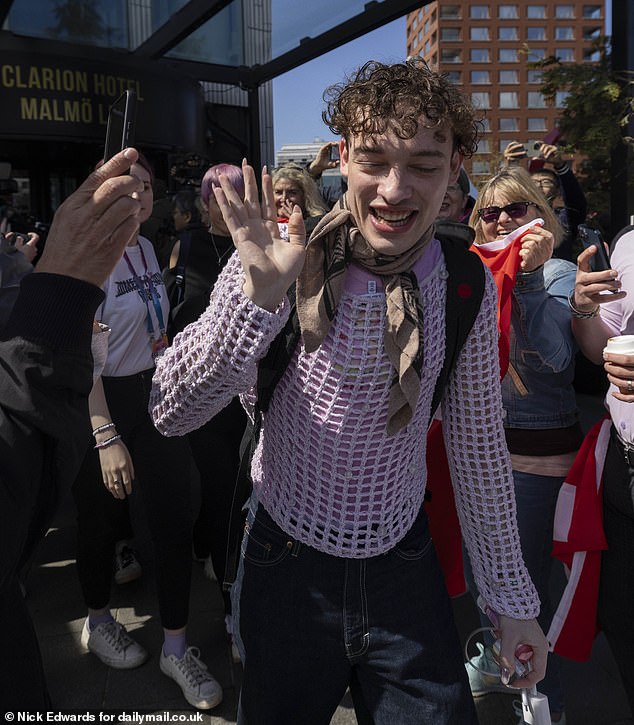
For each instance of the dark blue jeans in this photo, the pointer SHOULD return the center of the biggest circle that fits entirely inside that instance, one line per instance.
(311, 625)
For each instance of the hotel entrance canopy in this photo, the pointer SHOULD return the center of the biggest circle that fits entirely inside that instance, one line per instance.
(242, 43)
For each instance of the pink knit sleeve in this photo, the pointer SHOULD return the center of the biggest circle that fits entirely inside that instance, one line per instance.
(214, 358)
(481, 469)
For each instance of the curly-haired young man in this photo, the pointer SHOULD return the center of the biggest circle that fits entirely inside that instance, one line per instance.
(338, 584)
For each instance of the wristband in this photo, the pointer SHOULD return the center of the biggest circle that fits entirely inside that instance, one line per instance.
(578, 313)
(102, 428)
(108, 442)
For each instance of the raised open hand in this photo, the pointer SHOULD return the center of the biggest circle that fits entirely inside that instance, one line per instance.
(271, 264)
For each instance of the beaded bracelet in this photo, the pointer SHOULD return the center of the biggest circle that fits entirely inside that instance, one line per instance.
(108, 442)
(578, 313)
(102, 428)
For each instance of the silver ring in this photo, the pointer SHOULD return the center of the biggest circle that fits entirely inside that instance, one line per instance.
(116, 484)
(629, 386)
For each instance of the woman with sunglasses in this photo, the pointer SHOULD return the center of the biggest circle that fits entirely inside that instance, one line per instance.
(541, 420)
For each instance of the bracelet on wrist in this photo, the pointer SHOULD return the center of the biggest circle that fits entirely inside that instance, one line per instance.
(579, 314)
(102, 428)
(108, 442)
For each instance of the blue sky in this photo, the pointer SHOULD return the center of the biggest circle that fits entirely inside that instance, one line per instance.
(297, 95)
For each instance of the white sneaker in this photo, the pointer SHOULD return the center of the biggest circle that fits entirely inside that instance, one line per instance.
(190, 673)
(126, 564)
(113, 645)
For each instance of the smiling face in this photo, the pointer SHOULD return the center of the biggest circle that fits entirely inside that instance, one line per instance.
(506, 223)
(396, 186)
(453, 203)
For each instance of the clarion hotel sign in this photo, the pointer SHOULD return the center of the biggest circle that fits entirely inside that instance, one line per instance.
(50, 97)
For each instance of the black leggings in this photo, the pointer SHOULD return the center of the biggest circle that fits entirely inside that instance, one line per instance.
(161, 467)
(216, 451)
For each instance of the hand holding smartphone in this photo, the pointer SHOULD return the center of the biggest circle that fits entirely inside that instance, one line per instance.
(588, 236)
(121, 124)
(334, 152)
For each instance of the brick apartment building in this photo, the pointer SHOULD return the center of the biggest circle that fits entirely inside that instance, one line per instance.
(486, 47)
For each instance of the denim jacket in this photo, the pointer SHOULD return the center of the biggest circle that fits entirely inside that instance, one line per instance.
(542, 351)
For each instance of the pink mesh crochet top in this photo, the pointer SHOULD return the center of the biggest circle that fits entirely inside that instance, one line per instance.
(325, 469)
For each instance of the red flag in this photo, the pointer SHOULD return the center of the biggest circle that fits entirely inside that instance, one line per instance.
(503, 259)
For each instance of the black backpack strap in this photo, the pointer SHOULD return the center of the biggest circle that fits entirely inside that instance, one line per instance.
(270, 370)
(465, 289)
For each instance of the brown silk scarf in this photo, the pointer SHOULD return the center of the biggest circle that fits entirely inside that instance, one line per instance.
(333, 245)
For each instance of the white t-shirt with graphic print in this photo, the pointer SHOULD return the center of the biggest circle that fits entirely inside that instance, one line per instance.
(125, 312)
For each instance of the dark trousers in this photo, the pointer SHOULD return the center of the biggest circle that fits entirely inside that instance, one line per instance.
(616, 594)
(310, 625)
(161, 468)
(215, 449)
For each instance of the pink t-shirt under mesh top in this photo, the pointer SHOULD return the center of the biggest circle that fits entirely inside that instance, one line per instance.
(325, 469)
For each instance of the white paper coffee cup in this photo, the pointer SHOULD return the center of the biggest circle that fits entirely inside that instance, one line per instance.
(620, 345)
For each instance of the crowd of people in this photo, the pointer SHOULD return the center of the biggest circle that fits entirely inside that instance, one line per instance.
(152, 354)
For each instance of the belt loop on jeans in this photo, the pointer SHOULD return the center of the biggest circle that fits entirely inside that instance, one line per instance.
(626, 448)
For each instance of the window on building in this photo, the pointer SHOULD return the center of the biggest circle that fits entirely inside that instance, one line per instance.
(449, 12)
(485, 125)
(564, 11)
(479, 55)
(484, 147)
(560, 98)
(508, 76)
(478, 77)
(507, 55)
(591, 56)
(564, 32)
(509, 99)
(454, 76)
(479, 12)
(565, 55)
(536, 32)
(450, 33)
(536, 123)
(592, 12)
(480, 168)
(535, 54)
(503, 143)
(479, 33)
(426, 26)
(508, 12)
(534, 76)
(481, 99)
(427, 46)
(535, 12)
(509, 33)
(509, 124)
(534, 99)
(592, 33)
(450, 55)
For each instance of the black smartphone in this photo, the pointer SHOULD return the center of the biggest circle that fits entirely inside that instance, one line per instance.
(334, 152)
(588, 237)
(120, 129)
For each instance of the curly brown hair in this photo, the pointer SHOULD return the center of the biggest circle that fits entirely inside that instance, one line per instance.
(378, 96)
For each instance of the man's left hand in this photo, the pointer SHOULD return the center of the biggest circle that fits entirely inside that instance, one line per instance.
(513, 634)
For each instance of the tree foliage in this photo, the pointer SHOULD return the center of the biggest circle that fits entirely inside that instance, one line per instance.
(596, 111)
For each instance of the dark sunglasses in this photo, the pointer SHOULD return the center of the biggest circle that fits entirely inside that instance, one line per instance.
(515, 210)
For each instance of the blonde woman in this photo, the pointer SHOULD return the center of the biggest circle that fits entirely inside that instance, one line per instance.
(541, 421)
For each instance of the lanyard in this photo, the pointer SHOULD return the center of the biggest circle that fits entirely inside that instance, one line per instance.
(155, 301)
